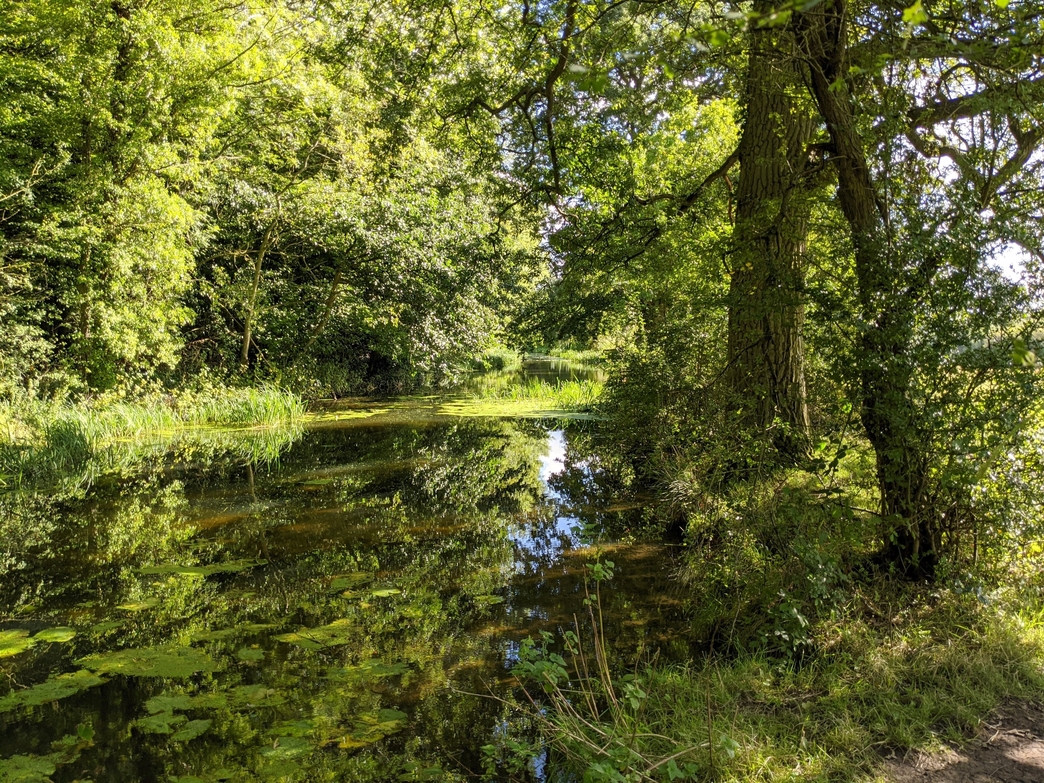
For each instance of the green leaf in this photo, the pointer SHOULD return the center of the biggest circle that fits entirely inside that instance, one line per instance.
(372, 727)
(255, 696)
(26, 769)
(304, 727)
(337, 632)
(915, 14)
(160, 723)
(250, 654)
(348, 581)
(288, 748)
(246, 629)
(53, 688)
(718, 38)
(191, 730)
(231, 567)
(167, 661)
(57, 635)
(139, 606)
(14, 642)
(367, 671)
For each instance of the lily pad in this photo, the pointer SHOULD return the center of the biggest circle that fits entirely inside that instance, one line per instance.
(288, 748)
(166, 661)
(53, 688)
(58, 635)
(252, 696)
(415, 771)
(160, 723)
(26, 769)
(139, 606)
(379, 592)
(372, 727)
(14, 642)
(347, 581)
(250, 654)
(337, 632)
(367, 671)
(246, 629)
(191, 730)
(168, 702)
(304, 727)
(230, 567)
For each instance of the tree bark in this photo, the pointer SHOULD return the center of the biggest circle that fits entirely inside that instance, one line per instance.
(766, 310)
(251, 303)
(331, 300)
(888, 295)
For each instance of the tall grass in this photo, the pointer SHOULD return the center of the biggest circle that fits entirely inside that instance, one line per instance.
(497, 360)
(589, 358)
(904, 667)
(45, 442)
(566, 395)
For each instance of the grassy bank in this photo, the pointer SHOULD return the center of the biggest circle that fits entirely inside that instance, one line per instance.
(564, 395)
(40, 440)
(907, 667)
(816, 660)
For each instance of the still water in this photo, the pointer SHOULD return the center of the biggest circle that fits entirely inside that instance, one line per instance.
(340, 603)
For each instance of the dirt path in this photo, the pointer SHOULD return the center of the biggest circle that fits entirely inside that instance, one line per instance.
(1010, 749)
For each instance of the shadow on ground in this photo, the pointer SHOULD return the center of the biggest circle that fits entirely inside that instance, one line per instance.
(1009, 749)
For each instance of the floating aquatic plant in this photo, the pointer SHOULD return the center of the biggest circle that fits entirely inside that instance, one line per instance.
(53, 688)
(166, 661)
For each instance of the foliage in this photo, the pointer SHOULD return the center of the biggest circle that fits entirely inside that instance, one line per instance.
(58, 443)
(191, 185)
(895, 666)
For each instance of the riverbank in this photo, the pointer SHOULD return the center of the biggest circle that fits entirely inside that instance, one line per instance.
(900, 669)
(40, 439)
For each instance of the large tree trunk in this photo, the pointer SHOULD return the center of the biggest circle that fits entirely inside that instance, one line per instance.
(887, 296)
(766, 310)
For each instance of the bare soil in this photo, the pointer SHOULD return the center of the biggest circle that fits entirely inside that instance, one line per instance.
(1009, 749)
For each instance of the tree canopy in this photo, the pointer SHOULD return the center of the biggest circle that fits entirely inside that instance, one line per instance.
(793, 214)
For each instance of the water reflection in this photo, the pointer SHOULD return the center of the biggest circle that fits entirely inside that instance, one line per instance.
(305, 618)
(541, 537)
(549, 368)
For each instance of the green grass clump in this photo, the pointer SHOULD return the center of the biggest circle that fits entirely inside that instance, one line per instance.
(50, 441)
(590, 358)
(249, 407)
(561, 395)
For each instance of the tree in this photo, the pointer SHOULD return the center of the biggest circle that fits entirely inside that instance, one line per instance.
(766, 352)
(908, 243)
(110, 109)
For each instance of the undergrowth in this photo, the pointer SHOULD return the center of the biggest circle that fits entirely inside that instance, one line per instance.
(816, 659)
(902, 666)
